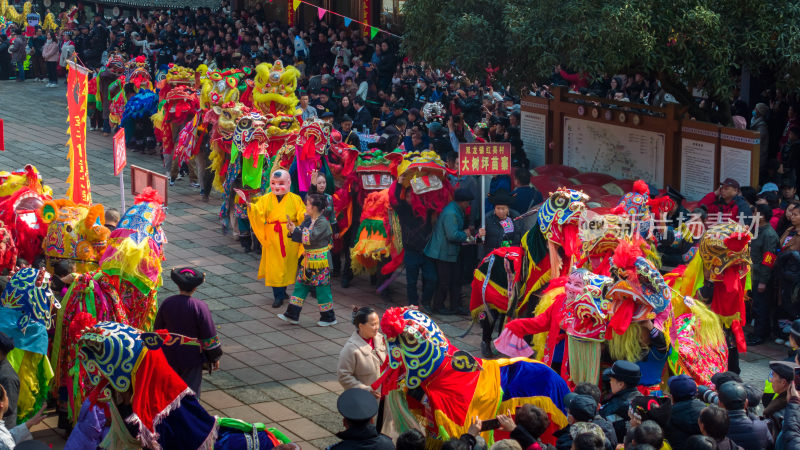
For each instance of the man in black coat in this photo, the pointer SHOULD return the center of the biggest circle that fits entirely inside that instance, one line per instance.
(750, 434)
(686, 410)
(359, 407)
(5, 58)
(623, 377)
(363, 117)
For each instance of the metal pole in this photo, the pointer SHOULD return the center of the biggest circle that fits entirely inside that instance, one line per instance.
(483, 201)
(122, 191)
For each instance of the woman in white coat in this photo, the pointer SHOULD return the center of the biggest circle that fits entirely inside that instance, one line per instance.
(361, 359)
(363, 354)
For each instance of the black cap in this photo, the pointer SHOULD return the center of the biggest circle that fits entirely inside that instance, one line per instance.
(718, 379)
(187, 278)
(6, 343)
(325, 90)
(732, 395)
(675, 195)
(325, 115)
(501, 197)
(346, 118)
(730, 182)
(357, 404)
(463, 195)
(682, 387)
(624, 371)
(784, 369)
(582, 407)
(400, 104)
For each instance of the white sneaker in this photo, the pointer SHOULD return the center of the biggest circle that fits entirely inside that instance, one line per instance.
(291, 321)
(324, 324)
(779, 341)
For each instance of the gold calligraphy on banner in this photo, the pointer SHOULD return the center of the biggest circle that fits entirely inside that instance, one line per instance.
(79, 190)
(484, 158)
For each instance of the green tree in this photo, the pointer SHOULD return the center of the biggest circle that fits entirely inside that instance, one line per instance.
(685, 44)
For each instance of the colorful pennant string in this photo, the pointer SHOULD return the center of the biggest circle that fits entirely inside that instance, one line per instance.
(347, 20)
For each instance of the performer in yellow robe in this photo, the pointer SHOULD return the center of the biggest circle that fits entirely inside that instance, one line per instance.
(268, 217)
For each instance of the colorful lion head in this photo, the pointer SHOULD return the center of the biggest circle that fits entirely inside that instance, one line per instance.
(74, 232)
(415, 342)
(222, 87)
(28, 290)
(586, 314)
(725, 246)
(274, 88)
(426, 174)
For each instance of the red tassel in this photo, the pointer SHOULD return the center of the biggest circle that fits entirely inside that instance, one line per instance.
(641, 187)
(393, 323)
(736, 242)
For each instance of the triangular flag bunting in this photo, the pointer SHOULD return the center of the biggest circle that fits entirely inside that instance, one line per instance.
(295, 4)
(347, 21)
(321, 12)
(373, 32)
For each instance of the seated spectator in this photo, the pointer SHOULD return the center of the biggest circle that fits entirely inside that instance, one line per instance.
(531, 423)
(714, 423)
(788, 194)
(358, 408)
(726, 202)
(751, 434)
(686, 410)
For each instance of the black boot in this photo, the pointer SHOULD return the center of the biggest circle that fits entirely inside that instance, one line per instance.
(327, 318)
(292, 314)
(247, 243)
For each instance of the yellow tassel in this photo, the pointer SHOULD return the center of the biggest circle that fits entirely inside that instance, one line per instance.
(216, 159)
(627, 346)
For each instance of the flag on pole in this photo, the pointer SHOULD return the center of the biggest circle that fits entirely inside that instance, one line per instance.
(78, 179)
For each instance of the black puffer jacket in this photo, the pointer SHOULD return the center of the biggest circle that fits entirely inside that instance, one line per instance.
(683, 422)
(362, 438)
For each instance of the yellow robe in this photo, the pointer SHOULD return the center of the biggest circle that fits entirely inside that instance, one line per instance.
(268, 222)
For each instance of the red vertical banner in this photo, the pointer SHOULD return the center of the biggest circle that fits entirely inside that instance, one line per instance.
(120, 152)
(291, 7)
(78, 180)
(2, 137)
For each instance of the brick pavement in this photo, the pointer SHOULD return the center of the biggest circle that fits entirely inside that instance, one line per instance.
(271, 372)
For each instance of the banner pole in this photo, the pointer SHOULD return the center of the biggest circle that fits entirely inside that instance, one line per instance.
(122, 191)
(483, 201)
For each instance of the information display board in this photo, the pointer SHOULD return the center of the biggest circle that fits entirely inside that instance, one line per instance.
(622, 152)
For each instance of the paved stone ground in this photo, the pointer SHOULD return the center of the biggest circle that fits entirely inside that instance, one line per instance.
(271, 372)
